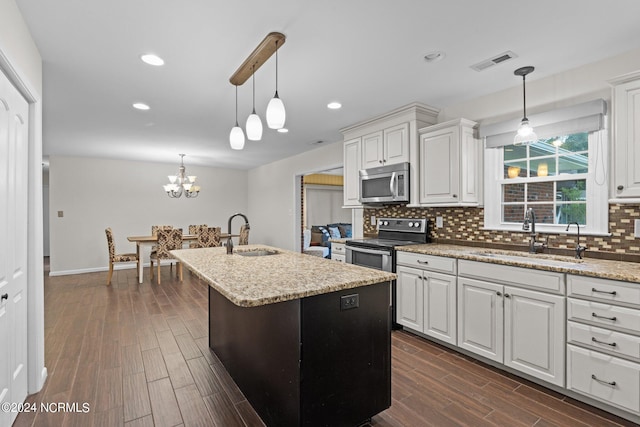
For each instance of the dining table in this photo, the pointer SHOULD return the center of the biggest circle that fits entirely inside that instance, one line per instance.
(150, 240)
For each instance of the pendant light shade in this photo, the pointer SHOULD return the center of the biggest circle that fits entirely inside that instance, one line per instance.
(236, 136)
(276, 114)
(525, 133)
(254, 124)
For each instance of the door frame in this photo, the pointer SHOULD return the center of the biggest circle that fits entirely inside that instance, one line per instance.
(36, 370)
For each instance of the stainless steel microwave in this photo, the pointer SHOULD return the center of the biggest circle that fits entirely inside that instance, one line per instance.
(385, 184)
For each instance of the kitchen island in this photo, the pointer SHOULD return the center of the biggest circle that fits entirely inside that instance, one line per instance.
(307, 340)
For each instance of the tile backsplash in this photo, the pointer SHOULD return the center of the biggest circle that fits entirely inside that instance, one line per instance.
(464, 225)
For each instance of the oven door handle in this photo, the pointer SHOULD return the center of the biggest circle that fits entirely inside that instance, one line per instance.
(368, 251)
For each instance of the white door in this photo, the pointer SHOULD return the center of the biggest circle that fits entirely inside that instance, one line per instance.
(534, 333)
(409, 288)
(14, 113)
(440, 306)
(480, 318)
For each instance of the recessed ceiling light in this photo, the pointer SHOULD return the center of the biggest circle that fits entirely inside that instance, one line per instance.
(151, 59)
(334, 105)
(140, 106)
(283, 130)
(435, 56)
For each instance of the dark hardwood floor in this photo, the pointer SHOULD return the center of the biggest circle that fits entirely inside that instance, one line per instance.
(138, 356)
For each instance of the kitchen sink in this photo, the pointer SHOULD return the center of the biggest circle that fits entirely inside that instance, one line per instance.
(540, 259)
(257, 252)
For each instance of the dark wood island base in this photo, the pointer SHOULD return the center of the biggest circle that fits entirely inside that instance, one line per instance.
(323, 360)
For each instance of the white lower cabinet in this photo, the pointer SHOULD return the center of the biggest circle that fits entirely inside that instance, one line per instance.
(603, 336)
(521, 328)
(426, 300)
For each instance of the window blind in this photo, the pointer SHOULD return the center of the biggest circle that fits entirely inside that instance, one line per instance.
(585, 117)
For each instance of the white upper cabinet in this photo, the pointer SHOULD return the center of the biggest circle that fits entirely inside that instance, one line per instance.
(450, 164)
(351, 189)
(388, 139)
(626, 135)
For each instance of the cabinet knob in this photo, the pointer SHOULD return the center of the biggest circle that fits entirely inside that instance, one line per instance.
(455, 196)
(507, 296)
(499, 293)
(380, 161)
(4, 297)
(620, 187)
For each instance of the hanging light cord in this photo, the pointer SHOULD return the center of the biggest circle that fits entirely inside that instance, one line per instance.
(237, 106)
(253, 79)
(276, 68)
(524, 98)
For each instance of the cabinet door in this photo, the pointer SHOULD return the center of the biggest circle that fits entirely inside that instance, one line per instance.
(351, 189)
(534, 342)
(627, 139)
(372, 150)
(409, 298)
(440, 306)
(480, 317)
(439, 170)
(396, 144)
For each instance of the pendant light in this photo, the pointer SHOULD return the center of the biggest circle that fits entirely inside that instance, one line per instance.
(236, 137)
(276, 113)
(254, 124)
(525, 133)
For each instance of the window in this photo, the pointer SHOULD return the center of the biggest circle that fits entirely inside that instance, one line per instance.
(563, 178)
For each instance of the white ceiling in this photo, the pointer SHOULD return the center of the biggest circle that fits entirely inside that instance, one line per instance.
(367, 54)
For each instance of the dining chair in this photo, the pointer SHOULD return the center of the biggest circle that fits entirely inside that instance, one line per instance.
(194, 229)
(209, 237)
(168, 240)
(113, 257)
(154, 232)
(244, 235)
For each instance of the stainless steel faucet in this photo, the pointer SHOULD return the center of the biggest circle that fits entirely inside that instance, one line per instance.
(529, 224)
(579, 249)
(229, 241)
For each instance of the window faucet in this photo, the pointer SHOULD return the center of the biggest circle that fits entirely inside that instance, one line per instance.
(229, 241)
(579, 249)
(529, 223)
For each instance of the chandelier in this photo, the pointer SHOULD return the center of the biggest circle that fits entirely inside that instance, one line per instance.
(181, 183)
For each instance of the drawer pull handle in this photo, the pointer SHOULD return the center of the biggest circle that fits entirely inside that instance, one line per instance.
(613, 319)
(423, 262)
(604, 292)
(612, 383)
(602, 342)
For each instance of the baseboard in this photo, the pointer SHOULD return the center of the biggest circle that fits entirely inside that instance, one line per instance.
(92, 270)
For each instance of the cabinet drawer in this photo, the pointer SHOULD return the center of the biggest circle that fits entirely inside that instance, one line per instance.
(427, 262)
(338, 257)
(338, 248)
(609, 291)
(607, 340)
(604, 315)
(541, 280)
(605, 378)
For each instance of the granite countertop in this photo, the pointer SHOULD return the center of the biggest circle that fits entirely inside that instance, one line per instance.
(605, 269)
(250, 281)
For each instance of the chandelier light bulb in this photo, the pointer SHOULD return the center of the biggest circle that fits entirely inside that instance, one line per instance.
(236, 138)
(254, 127)
(276, 114)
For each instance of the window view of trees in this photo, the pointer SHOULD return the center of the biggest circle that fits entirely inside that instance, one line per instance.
(548, 176)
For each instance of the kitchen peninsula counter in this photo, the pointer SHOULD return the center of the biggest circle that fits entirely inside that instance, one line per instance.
(307, 340)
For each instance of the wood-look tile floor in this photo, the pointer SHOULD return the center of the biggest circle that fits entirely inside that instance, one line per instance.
(138, 355)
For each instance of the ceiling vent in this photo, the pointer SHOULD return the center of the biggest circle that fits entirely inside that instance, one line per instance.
(505, 56)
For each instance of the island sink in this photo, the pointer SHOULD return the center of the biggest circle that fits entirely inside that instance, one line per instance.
(256, 253)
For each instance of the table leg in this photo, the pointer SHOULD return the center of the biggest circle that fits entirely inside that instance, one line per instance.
(140, 269)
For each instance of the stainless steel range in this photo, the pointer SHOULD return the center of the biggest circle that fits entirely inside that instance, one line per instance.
(379, 253)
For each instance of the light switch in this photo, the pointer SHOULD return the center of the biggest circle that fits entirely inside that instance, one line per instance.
(60, 214)
(439, 222)
(636, 228)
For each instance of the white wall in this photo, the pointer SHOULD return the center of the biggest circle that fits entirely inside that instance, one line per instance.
(323, 205)
(571, 87)
(21, 61)
(274, 191)
(128, 197)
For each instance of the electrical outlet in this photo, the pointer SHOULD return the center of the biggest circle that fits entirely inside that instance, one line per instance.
(347, 302)
(439, 222)
(636, 228)
(60, 214)
(373, 220)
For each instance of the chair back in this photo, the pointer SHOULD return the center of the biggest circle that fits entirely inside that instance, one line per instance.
(244, 235)
(168, 240)
(209, 237)
(155, 228)
(112, 246)
(195, 229)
